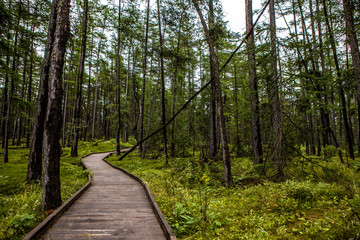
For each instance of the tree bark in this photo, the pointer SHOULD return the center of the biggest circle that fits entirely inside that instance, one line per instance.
(35, 155)
(52, 126)
(274, 101)
(142, 108)
(11, 92)
(218, 98)
(118, 95)
(162, 76)
(77, 111)
(354, 46)
(88, 106)
(340, 86)
(96, 90)
(213, 140)
(254, 95)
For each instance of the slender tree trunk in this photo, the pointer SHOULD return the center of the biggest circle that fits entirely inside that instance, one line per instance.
(118, 90)
(341, 87)
(29, 94)
(274, 102)
(22, 96)
(213, 140)
(237, 137)
(52, 126)
(88, 106)
(142, 108)
(354, 45)
(5, 102)
(219, 106)
(96, 90)
(163, 117)
(66, 98)
(11, 92)
(77, 111)
(254, 95)
(134, 96)
(174, 90)
(151, 115)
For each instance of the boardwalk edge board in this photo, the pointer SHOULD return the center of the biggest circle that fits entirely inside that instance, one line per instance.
(47, 222)
(160, 216)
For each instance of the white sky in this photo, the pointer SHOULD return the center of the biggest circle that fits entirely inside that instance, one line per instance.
(235, 13)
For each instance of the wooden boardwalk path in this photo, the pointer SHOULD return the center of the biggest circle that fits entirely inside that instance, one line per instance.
(114, 207)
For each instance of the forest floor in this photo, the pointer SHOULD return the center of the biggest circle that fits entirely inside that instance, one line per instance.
(319, 200)
(20, 203)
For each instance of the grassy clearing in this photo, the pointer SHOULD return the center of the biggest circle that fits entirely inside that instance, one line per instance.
(20, 203)
(320, 201)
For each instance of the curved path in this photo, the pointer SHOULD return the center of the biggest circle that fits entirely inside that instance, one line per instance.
(114, 207)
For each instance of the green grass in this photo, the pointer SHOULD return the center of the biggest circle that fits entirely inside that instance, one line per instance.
(318, 201)
(20, 203)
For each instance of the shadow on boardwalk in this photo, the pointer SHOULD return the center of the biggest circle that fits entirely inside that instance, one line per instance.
(114, 207)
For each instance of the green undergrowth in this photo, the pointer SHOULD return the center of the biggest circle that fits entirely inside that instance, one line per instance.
(319, 200)
(20, 203)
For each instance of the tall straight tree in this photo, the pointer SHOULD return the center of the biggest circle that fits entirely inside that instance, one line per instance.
(348, 136)
(118, 100)
(12, 89)
(162, 76)
(52, 125)
(142, 108)
(351, 34)
(77, 111)
(254, 95)
(214, 67)
(274, 101)
(35, 155)
(213, 149)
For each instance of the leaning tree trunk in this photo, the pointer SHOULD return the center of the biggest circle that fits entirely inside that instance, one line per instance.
(52, 125)
(218, 98)
(77, 111)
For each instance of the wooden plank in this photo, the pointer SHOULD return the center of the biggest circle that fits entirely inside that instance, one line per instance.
(115, 207)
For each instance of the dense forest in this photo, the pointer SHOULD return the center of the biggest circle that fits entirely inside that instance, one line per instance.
(171, 78)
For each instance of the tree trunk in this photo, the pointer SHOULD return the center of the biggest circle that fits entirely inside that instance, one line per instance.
(142, 108)
(351, 34)
(29, 94)
(52, 126)
(163, 116)
(218, 98)
(237, 137)
(340, 86)
(12, 89)
(77, 111)
(96, 90)
(213, 140)
(35, 155)
(254, 96)
(118, 95)
(66, 98)
(274, 102)
(88, 106)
